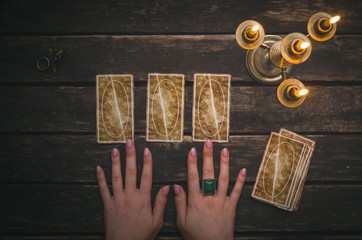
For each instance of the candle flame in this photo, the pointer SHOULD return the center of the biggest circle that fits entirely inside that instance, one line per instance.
(303, 92)
(304, 45)
(255, 28)
(334, 19)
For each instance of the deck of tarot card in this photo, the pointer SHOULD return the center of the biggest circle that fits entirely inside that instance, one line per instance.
(283, 170)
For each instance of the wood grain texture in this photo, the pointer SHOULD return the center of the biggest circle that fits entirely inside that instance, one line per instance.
(326, 109)
(86, 56)
(120, 17)
(178, 236)
(78, 209)
(73, 158)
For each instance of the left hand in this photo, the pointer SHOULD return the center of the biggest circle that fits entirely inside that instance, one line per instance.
(128, 213)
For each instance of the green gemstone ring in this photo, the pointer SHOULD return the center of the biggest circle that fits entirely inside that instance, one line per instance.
(208, 186)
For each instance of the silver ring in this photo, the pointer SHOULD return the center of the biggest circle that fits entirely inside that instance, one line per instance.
(43, 63)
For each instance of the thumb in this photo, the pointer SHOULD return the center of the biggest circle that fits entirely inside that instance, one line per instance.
(159, 208)
(180, 201)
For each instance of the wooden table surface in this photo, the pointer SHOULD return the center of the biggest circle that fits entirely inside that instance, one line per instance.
(48, 147)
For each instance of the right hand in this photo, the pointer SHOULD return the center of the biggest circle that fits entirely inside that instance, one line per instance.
(212, 216)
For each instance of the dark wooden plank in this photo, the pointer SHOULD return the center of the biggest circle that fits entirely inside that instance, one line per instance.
(87, 56)
(73, 158)
(245, 236)
(168, 16)
(78, 209)
(253, 109)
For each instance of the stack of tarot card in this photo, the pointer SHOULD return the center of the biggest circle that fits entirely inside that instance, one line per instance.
(283, 170)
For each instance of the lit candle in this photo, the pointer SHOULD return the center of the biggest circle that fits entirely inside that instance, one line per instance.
(299, 46)
(302, 92)
(295, 93)
(325, 24)
(254, 29)
(334, 19)
(251, 33)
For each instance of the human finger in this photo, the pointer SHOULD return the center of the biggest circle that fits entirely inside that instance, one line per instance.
(159, 208)
(117, 184)
(180, 202)
(103, 187)
(193, 180)
(146, 178)
(236, 192)
(208, 164)
(224, 173)
(131, 167)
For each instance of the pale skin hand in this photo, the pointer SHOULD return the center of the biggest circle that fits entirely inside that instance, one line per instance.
(128, 213)
(208, 217)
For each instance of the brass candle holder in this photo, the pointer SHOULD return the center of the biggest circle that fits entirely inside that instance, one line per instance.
(270, 58)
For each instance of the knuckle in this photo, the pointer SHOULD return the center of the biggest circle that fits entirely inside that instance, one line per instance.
(193, 177)
(208, 153)
(148, 159)
(238, 190)
(241, 181)
(160, 202)
(146, 176)
(224, 160)
(224, 179)
(208, 172)
(130, 152)
(115, 160)
(116, 178)
(179, 201)
(131, 171)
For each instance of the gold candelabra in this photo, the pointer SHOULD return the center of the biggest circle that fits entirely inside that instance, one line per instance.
(270, 58)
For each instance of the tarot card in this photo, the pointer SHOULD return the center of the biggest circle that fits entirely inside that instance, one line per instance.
(298, 137)
(277, 170)
(115, 123)
(300, 186)
(165, 107)
(298, 181)
(211, 107)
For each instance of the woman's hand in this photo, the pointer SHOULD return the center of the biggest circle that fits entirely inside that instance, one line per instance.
(128, 213)
(210, 216)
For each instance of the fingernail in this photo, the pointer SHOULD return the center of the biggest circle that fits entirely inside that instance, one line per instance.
(166, 190)
(99, 170)
(209, 144)
(129, 143)
(115, 152)
(146, 152)
(193, 152)
(176, 189)
(243, 172)
(225, 152)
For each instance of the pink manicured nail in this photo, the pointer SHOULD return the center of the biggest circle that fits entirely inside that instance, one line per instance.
(146, 152)
(193, 152)
(129, 143)
(243, 172)
(209, 144)
(166, 190)
(176, 189)
(115, 152)
(99, 170)
(225, 152)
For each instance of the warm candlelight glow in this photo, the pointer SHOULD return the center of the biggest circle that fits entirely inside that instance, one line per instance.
(303, 92)
(304, 45)
(334, 19)
(255, 28)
